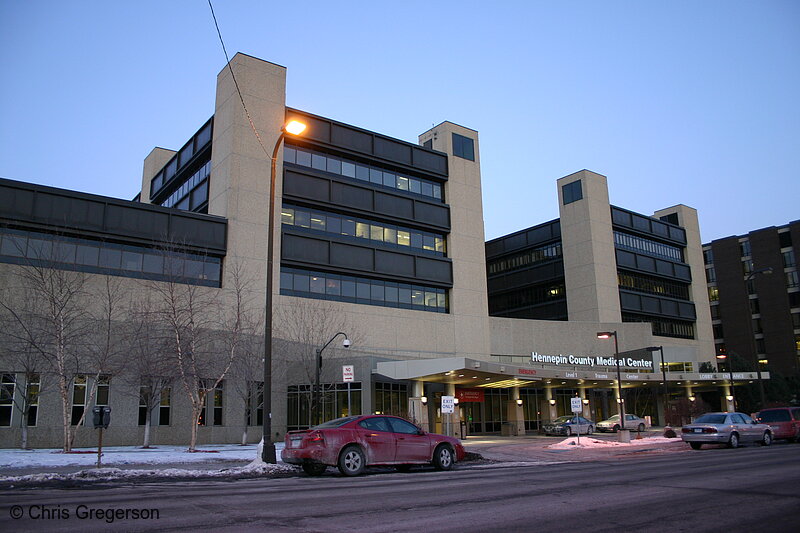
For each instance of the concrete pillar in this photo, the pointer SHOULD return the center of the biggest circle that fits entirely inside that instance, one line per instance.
(661, 409)
(727, 405)
(551, 408)
(417, 412)
(515, 413)
(587, 409)
(450, 421)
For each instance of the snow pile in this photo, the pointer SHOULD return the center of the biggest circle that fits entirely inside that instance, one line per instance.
(589, 442)
(129, 455)
(107, 474)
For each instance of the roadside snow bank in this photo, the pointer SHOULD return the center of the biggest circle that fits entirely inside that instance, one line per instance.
(589, 442)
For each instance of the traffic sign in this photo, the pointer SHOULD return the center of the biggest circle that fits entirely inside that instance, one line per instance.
(448, 405)
(348, 373)
(575, 403)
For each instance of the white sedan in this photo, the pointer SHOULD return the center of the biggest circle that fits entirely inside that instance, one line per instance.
(632, 422)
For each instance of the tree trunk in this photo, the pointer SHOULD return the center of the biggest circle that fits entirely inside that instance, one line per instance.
(24, 443)
(244, 436)
(62, 384)
(195, 422)
(147, 417)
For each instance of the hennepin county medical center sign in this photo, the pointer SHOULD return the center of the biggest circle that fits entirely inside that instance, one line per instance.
(592, 362)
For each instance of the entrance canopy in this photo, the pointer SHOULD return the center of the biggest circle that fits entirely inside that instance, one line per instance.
(466, 372)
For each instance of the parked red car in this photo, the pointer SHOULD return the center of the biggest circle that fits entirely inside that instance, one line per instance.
(354, 442)
(784, 421)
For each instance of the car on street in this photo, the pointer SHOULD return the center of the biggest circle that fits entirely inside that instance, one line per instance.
(784, 421)
(568, 425)
(725, 428)
(632, 422)
(354, 442)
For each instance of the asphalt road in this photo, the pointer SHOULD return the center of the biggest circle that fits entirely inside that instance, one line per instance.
(747, 489)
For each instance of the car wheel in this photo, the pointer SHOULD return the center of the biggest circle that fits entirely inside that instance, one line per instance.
(733, 442)
(767, 440)
(443, 458)
(351, 461)
(569, 431)
(403, 468)
(616, 428)
(314, 469)
(640, 428)
(696, 445)
(590, 430)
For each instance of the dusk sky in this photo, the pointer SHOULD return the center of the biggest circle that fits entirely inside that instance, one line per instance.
(691, 102)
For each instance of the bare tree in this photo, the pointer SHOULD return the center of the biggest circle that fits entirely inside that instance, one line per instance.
(150, 371)
(47, 307)
(247, 379)
(302, 327)
(19, 357)
(205, 329)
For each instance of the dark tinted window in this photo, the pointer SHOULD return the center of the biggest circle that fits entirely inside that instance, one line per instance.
(711, 419)
(336, 422)
(572, 192)
(401, 426)
(463, 147)
(779, 415)
(375, 424)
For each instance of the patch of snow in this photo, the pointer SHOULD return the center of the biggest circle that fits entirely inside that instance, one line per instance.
(129, 455)
(589, 442)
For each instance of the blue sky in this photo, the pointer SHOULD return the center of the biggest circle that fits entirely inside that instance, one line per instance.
(692, 102)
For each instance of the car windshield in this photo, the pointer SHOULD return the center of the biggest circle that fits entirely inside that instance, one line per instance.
(710, 419)
(335, 423)
(562, 419)
(615, 417)
(774, 416)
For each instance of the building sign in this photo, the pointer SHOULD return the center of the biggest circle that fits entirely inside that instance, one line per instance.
(592, 361)
(469, 395)
(527, 371)
(348, 374)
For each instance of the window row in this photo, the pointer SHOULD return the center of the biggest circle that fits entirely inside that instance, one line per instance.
(664, 327)
(308, 284)
(193, 193)
(22, 396)
(103, 257)
(653, 285)
(336, 400)
(526, 297)
(363, 229)
(526, 258)
(179, 160)
(647, 224)
(647, 246)
(360, 171)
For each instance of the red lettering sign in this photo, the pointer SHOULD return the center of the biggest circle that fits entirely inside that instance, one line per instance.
(526, 371)
(469, 395)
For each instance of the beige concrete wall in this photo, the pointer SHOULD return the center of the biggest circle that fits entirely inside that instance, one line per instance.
(155, 161)
(465, 244)
(590, 265)
(703, 342)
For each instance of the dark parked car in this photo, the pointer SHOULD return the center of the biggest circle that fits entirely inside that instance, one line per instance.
(725, 428)
(354, 442)
(784, 421)
(568, 425)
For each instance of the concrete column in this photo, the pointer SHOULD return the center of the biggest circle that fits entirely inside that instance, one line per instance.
(551, 408)
(587, 409)
(417, 412)
(727, 404)
(661, 409)
(515, 413)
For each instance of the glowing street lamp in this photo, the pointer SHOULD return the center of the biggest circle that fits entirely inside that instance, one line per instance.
(293, 127)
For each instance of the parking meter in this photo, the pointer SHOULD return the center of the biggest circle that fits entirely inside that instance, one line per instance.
(101, 417)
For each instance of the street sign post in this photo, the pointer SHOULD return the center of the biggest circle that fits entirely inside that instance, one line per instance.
(348, 376)
(577, 407)
(448, 408)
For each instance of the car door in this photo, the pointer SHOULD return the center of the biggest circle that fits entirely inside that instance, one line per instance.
(740, 426)
(378, 439)
(410, 445)
(754, 432)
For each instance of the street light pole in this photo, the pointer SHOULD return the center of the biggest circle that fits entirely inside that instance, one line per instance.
(753, 345)
(268, 450)
(620, 401)
(315, 411)
(652, 349)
